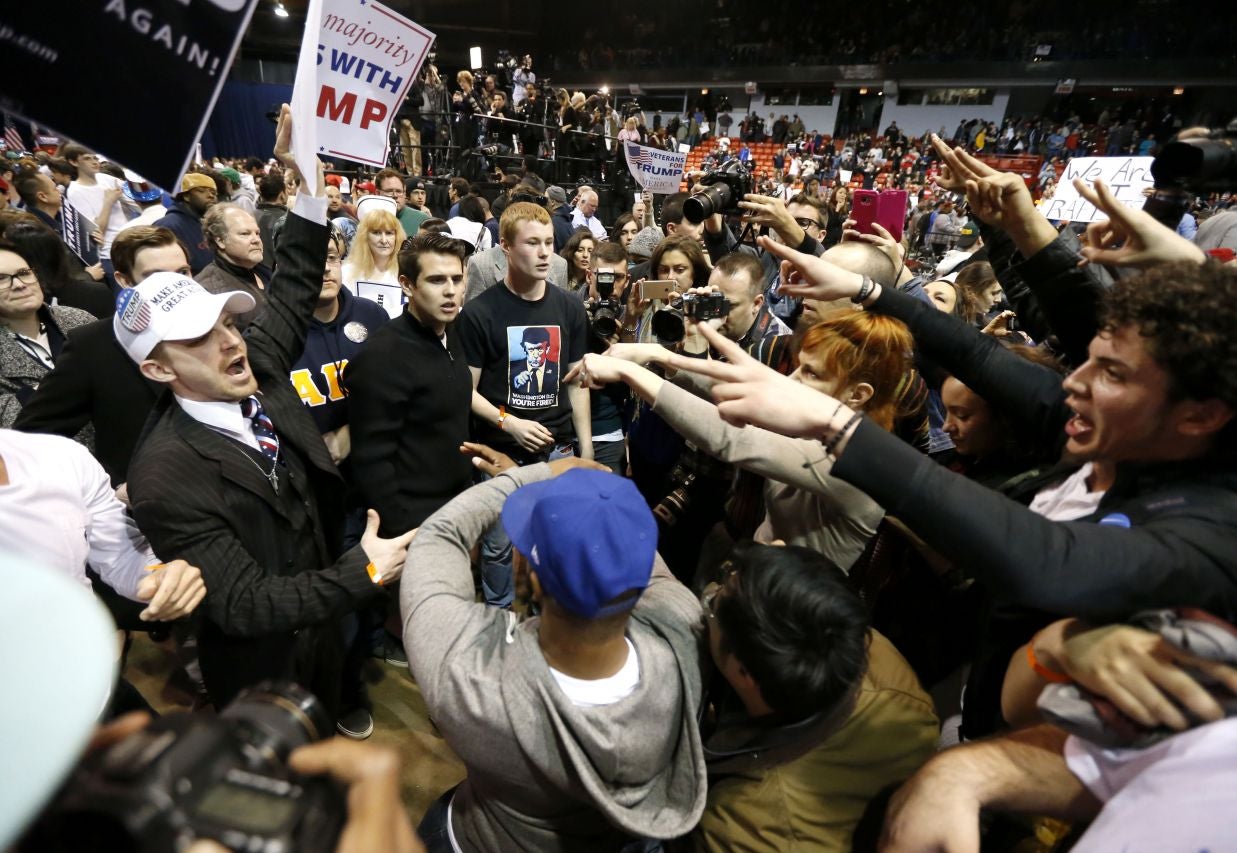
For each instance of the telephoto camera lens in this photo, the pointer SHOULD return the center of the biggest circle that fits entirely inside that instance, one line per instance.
(1202, 164)
(276, 719)
(712, 199)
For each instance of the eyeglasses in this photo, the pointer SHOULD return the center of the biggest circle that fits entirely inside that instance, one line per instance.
(25, 276)
(804, 222)
(708, 598)
(392, 193)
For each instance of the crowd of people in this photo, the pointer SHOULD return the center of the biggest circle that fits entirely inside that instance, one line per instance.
(689, 539)
(737, 34)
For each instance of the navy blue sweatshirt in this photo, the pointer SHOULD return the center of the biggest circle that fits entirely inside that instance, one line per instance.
(328, 349)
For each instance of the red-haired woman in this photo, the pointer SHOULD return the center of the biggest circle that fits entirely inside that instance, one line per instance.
(856, 357)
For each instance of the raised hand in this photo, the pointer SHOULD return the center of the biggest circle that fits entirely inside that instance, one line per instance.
(880, 238)
(772, 211)
(812, 277)
(747, 392)
(953, 174)
(1130, 238)
(642, 354)
(1000, 199)
(596, 371)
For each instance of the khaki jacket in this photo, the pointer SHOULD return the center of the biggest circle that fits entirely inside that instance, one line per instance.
(814, 802)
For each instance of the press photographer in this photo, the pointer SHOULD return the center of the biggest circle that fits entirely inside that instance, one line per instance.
(608, 281)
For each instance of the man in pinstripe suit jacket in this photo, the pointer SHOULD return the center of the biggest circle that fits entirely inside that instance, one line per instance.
(266, 534)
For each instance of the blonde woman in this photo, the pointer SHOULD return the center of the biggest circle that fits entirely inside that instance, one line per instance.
(372, 268)
(466, 105)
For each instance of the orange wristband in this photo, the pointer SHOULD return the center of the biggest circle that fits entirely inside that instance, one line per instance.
(373, 574)
(1043, 671)
(502, 417)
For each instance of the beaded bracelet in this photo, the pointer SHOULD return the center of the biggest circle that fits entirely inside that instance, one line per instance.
(837, 436)
(865, 290)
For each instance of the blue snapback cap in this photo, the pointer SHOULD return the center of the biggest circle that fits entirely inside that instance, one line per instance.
(588, 534)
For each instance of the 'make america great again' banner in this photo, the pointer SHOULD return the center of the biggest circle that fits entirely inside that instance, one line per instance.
(136, 80)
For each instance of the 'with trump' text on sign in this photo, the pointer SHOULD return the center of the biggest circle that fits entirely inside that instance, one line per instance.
(358, 60)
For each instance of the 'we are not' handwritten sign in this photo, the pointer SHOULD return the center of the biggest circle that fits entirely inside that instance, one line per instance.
(1126, 177)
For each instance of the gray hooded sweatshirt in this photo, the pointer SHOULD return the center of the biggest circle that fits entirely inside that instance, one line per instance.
(543, 774)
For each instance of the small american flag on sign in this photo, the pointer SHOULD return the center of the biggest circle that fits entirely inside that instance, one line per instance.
(639, 155)
(12, 139)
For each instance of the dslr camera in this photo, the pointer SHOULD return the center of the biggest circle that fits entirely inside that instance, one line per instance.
(187, 776)
(604, 312)
(724, 188)
(669, 322)
(1188, 166)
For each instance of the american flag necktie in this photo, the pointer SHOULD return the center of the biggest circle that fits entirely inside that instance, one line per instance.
(263, 429)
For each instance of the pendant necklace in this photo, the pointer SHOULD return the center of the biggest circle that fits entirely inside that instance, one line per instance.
(272, 476)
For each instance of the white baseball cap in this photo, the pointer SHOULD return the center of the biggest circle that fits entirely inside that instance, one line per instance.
(168, 306)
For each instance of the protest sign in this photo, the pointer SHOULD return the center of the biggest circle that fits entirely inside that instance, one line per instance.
(655, 170)
(75, 230)
(135, 80)
(358, 60)
(390, 296)
(1126, 177)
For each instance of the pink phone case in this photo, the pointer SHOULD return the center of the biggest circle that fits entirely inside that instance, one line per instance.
(891, 211)
(864, 209)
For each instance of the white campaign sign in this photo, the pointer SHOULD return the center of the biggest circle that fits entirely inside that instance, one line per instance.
(655, 170)
(358, 59)
(1126, 177)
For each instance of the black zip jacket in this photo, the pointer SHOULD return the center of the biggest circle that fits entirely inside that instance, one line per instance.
(1165, 534)
(409, 403)
(1049, 292)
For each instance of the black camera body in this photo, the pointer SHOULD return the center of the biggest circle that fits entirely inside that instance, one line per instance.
(724, 188)
(705, 306)
(668, 323)
(190, 776)
(604, 312)
(1186, 167)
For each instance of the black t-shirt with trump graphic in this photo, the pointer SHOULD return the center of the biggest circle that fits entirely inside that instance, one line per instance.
(524, 349)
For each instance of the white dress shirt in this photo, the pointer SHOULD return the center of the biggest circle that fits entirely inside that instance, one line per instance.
(59, 510)
(592, 223)
(222, 417)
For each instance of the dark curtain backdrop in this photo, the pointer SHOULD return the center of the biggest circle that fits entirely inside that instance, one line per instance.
(239, 126)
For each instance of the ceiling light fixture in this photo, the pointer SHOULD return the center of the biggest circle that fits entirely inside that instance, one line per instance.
(280, 11)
